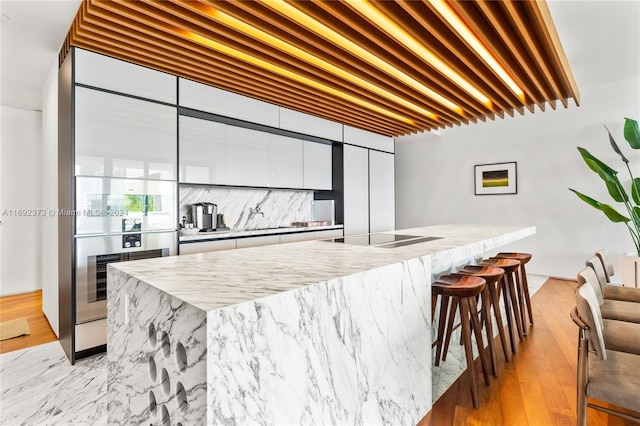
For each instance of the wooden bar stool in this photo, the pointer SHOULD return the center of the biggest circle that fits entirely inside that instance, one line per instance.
(512, 310)
(523, 287)
(491, 302)
(463, 290)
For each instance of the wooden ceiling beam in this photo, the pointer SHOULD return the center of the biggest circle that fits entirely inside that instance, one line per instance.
(153, 14)
(319, 75)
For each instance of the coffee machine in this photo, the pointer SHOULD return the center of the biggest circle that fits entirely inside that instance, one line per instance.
(204, 216)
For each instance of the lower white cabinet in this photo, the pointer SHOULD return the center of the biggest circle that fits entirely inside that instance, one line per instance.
(257, 241)
(265, 240)
(207, 246)
(331, 233)
(292, 238)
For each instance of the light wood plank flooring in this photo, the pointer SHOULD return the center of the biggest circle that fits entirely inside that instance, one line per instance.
(538, 387)
(29, 306)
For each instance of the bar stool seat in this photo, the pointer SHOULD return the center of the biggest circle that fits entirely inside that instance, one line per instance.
(523, 287)
(510, 267)
(463, 290)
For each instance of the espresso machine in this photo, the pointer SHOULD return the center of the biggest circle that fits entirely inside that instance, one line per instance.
(204, 216)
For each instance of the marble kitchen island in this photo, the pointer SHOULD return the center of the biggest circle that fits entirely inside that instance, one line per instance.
(308, 332)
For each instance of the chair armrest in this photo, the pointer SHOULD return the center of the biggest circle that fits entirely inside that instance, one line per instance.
(577, 320)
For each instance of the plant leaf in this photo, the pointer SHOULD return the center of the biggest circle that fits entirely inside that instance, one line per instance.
(609, 211)
(632, 133)
(615, 147)
(635, 190)
(595, 164)
(635, 215)
(617, 191)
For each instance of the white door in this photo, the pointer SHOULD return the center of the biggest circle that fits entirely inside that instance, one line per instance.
(356, 190)
(381, 192)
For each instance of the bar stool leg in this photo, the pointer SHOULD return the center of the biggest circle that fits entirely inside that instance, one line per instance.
(527, 298)
(514, 305)
(486, 319)
(506, 295)
(442, 319)
(477, 331)
(521, 301)
(452, 316)
(495, 304)
(466, 335)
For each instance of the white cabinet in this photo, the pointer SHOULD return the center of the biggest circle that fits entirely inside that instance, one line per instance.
(363, 138)
(356, 190)
(258, 241)
(381, 192)
(330, 233)
(369, 191)
(285, 162)
(102, 71)
(310, 125)
(317, 166)
(293, 238)
(210, 99)
(203, 151)
(207, 246)
(124, 137)
(247, 157)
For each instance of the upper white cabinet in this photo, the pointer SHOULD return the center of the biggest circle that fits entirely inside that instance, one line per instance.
(310, 125)
(285, 162)
(356, 190)
(317, 166)
(104, 72)
(247, 157)
(210, 99)
(355, 136)
(203, 151)
(381, 192)
(124, 137)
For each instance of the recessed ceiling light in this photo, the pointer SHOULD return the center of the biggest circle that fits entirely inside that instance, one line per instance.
(3, 17)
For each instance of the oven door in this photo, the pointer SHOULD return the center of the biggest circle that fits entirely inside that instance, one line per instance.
(93, 253)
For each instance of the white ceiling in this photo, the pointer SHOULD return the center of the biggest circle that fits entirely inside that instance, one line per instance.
(601, 40)
(30, 41)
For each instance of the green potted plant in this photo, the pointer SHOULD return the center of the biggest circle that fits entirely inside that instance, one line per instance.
(618, 192)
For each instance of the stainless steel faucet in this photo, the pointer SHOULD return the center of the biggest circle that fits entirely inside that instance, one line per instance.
(255, 211)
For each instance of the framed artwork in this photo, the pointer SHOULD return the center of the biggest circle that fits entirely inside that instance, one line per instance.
(496, 179)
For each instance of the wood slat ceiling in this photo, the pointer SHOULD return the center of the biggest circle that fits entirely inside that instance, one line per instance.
(362, 63)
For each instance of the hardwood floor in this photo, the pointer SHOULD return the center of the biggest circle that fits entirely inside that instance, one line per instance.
(538, 387)
(29, 306)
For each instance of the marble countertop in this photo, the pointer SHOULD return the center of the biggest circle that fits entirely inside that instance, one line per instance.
(241, 233)
(215, 280)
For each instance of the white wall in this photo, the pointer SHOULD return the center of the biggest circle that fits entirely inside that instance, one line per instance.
(21, 189)
(434, 177)
(50, 197)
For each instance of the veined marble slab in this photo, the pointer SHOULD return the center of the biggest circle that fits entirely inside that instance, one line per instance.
(218, 279)
(280, 207)
(309, 332)
(40, 387)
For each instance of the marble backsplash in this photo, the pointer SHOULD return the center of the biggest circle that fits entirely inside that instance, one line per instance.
(279, 207)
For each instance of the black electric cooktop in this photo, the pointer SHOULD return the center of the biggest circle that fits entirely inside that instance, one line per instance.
(383, 240)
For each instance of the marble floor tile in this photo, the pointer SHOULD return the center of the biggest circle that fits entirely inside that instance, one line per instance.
(39, 387)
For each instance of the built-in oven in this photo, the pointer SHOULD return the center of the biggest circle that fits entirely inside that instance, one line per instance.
(93, 254)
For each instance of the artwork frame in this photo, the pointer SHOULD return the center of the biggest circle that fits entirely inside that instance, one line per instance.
(496, 178)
